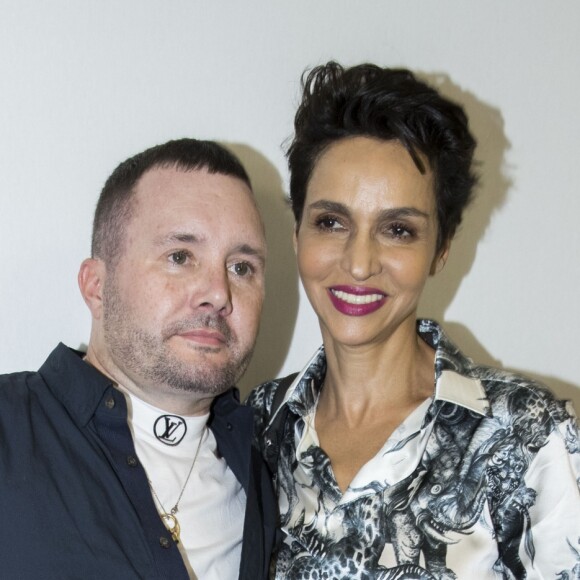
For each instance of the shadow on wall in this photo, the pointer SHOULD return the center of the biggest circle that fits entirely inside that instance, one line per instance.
(487, 125)
(281, 304)
(473, 348)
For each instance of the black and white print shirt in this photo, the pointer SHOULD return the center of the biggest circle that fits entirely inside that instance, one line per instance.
(480, 481)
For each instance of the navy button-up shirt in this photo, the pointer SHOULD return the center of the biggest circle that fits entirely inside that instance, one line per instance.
(74, 499)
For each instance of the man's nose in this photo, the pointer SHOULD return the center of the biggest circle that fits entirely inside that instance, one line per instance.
(212, 291)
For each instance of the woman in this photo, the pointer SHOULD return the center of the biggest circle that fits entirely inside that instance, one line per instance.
(394, 455)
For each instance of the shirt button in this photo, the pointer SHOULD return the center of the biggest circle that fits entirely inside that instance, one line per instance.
(164, 542)
(229, 426)
(132, 461)
(110, 403)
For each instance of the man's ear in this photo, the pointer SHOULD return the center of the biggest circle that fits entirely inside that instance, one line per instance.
(295, 239)
(440, 259)
(91, 279)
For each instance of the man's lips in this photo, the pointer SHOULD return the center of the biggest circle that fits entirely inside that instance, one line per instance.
(204, 336)
(356, 300)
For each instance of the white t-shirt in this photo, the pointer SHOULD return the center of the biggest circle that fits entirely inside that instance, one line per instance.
(212, 507)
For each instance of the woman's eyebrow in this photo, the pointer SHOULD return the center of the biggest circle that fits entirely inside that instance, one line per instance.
(402, 212)
(386, 214)
(327, 205)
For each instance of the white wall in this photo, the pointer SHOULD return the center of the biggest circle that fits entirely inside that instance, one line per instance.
(85, 84)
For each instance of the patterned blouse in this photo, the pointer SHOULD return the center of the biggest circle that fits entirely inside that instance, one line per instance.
(481, 481)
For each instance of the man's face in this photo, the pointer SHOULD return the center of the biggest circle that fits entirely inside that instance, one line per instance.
(181, 309)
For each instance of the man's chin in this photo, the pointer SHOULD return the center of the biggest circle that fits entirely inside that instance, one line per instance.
(187, 347)
(209, 374)
(202, 368)
(205, 359)
(205, 384)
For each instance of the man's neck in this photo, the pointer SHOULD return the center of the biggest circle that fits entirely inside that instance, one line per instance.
(171, 401)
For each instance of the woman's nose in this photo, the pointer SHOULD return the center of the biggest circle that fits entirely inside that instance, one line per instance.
(361, 258)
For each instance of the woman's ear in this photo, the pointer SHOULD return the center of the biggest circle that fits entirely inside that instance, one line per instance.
(91, 277)
(295, 239)
(440, 259)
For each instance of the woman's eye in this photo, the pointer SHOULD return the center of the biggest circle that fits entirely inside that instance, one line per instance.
(400, 231)
(328, 223)
(179, 258)
(242, 269)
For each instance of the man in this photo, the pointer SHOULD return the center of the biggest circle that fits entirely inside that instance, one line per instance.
(134, 460)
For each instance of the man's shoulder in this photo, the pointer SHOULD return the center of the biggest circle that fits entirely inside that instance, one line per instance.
(25, 379)
(22, 386)
(227, 412)
(20, 394)
(18, 384)
(16, 378)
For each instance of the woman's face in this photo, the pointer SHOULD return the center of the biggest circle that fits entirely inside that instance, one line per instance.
(367, 240)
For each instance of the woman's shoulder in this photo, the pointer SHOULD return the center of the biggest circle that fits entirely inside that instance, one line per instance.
(266, 398)
(515, 395)
(260, 398)
(509, 394)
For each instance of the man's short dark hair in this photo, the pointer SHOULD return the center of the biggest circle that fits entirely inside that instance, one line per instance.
(115, 205)
(387, 104)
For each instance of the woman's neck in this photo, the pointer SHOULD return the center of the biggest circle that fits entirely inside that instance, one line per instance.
(366, 380)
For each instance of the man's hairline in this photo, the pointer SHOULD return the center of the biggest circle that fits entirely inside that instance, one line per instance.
(128, 204)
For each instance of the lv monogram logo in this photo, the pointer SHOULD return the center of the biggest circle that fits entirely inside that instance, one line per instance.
(170, 429)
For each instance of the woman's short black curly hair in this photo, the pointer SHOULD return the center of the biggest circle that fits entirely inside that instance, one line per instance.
(387, 104)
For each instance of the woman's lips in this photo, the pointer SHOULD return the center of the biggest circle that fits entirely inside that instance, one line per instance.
(356, 300)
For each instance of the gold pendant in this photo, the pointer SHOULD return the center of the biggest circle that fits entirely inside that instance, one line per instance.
(172, 526)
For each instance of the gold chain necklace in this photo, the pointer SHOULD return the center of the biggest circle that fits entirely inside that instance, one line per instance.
(168, 517)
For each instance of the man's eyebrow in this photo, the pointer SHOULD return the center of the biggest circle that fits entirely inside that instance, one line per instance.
(181, 237)
(189, 238)
(247, 250)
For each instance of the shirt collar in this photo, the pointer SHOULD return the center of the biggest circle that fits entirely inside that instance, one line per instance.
(79, 386)
(302, 393)
(453, 380)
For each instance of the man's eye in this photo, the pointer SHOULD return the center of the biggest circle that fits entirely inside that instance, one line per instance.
(179, 258)
(242, 269)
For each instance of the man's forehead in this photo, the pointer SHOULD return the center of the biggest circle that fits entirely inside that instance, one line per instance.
(164, 185)
(192, 206)
(173, 175)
